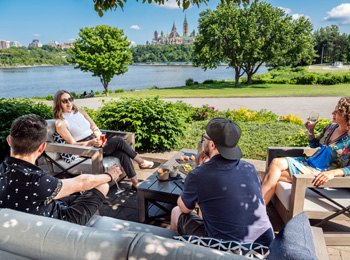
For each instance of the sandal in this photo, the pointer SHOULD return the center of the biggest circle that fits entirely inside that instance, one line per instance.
(155, 165)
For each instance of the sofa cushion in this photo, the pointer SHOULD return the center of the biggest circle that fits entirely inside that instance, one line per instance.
(252, 250)
(68, 158)
(294, 241)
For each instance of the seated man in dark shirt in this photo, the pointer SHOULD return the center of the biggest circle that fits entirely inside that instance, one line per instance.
(25, 187)
(227, 189)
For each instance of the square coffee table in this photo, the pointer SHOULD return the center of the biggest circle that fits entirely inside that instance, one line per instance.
(156, 198)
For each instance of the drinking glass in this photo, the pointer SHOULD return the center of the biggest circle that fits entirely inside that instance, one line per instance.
(119, 190)
(313, 118)
(103, 138)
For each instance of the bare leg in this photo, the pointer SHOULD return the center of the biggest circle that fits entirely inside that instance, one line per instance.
(134, 181)
(278, 171)
(175, 214)
(103, 188)
(142, 162)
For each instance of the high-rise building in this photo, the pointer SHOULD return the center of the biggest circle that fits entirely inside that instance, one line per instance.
(4, 44)
(15, 44)
(35, 43)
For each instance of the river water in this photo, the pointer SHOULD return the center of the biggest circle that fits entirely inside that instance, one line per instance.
(41, 81)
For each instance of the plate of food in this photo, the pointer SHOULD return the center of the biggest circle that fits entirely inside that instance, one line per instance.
(186, 158)
(186, 168)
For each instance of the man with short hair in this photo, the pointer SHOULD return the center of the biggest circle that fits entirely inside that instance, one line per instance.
(25, 187)
(227, 189)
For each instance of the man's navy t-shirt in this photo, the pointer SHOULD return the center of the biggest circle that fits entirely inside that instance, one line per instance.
(229, 195)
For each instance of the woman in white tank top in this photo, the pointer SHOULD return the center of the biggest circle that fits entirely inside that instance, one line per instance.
(76, 127)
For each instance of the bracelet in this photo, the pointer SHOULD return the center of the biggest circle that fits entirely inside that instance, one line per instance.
(109, 176)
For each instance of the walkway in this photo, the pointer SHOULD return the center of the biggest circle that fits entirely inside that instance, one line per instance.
(279, 105)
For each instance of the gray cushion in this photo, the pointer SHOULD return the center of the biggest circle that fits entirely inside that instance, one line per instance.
(107, 223)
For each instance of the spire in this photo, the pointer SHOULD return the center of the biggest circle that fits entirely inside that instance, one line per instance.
(174, 27)
(185, 19)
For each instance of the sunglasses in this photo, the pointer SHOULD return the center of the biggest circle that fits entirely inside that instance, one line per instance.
(65, 101)
(206, 137)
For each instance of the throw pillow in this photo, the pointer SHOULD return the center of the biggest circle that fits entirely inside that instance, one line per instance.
(68, 158)
(251, 250)
(294, 241)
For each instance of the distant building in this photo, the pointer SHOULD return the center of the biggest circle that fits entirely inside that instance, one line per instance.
(174, 37)
(4, 44)
(15, 44)
(66, 45)
(53, 44)
(35, 43)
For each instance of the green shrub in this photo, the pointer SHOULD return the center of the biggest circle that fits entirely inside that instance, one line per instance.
(299, 69)
(74, 95)
(208, 81)
(49, 97)
(189, 82)
(110, 91)
(195, 83)
(119, 90)
(132, 90)
(203, 113)
(157, 124)
(154, 87)
(97, 93)
(346, 77)
(12, 108)
(309, 79)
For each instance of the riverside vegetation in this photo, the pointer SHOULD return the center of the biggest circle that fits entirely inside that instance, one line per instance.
(160, 125)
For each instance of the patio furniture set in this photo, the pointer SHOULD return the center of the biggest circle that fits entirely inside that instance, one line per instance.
(25, 236)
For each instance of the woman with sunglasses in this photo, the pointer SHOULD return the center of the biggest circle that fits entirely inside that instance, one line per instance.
(76, 127)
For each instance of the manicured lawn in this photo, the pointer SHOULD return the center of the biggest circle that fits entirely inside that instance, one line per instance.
(227, 89)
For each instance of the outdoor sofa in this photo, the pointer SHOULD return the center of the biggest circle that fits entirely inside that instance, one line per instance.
(27, 236)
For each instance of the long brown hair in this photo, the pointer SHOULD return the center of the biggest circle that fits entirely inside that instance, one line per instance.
(343, 108)
(57, 108)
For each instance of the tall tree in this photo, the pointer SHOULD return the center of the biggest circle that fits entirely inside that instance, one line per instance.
(105, 5)
(102, 50)
(330, 45)
(247, 37)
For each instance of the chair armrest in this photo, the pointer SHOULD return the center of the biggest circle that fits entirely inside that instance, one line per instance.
(275, 152)
(129, 137)
(96, 154)
(319, 243)
(302, 181)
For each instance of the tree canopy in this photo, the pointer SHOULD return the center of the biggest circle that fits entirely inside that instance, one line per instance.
(105, 5)
(102, 50)
(335, 46)
(247, 37)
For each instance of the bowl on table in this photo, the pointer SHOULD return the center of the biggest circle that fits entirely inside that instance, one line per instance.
(163, 174)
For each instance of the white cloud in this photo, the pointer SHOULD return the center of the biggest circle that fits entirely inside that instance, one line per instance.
(340, 13)
(36, 35)
(170, 4)
(71, 40)
(286, 10)
(133, 43)
(297, 16)
(135, 27)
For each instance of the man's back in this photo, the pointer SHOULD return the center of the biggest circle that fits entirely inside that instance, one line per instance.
(229, 195)
(25, 187)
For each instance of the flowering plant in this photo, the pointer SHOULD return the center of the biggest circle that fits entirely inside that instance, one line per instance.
(203, 113)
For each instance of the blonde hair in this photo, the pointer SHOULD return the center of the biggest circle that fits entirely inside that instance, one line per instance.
(343, 108)
(57, 108)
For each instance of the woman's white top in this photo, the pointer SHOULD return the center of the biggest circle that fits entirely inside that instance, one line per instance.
(77, 125)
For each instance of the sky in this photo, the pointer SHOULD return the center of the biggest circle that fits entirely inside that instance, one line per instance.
(60, 20)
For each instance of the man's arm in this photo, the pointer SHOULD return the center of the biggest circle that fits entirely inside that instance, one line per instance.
(182, 206)
(85, 182)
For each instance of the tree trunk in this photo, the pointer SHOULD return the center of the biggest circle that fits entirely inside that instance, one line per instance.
(236, 77)
(249, 76)
(106, 88)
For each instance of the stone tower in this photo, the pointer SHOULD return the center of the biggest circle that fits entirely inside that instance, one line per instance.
(185, 27)
(156, 36)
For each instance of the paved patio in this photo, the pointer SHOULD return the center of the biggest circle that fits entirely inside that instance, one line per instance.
(124, 206)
